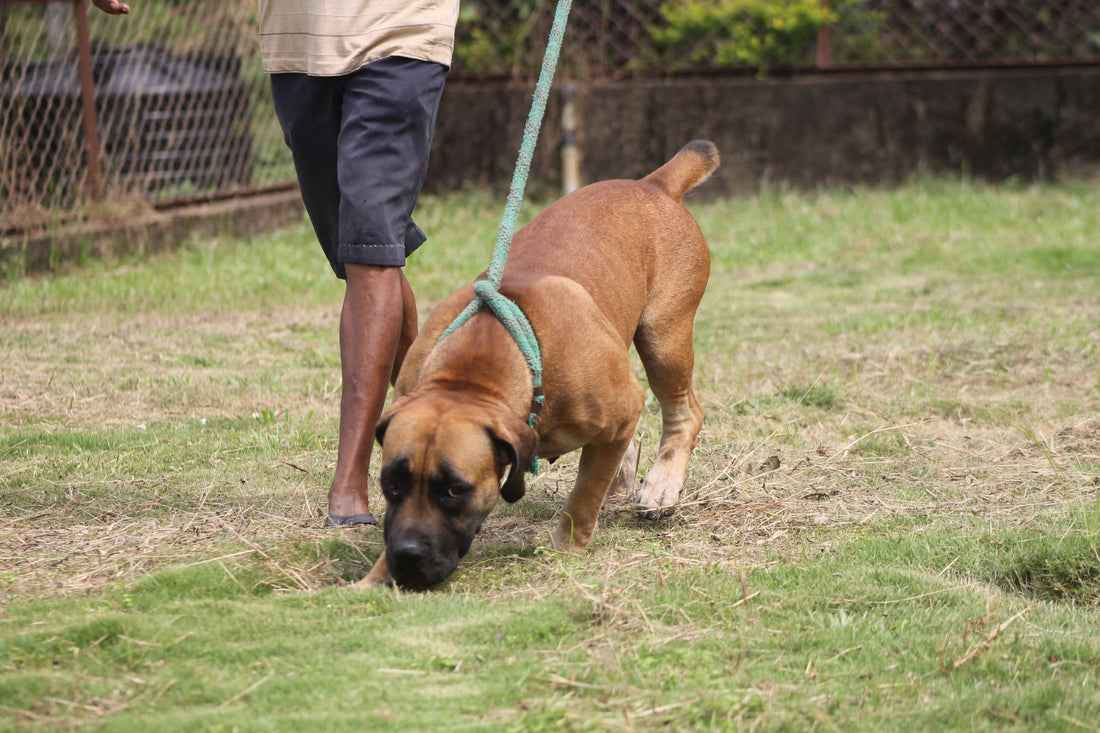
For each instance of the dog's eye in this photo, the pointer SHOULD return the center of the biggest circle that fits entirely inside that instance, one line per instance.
(449, 489)
(453, 496)
(395, 480)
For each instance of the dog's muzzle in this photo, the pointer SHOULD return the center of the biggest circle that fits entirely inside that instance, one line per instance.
(415, 561)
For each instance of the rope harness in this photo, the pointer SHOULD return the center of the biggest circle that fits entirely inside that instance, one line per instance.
(487, 291)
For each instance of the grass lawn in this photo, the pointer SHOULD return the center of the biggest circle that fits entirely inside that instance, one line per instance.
(891, 521)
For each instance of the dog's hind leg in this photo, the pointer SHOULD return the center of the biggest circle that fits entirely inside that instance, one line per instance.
(628, 471)
(669, 358)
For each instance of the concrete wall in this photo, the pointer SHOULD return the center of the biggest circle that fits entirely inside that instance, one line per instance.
(820, 129)
(148, 232)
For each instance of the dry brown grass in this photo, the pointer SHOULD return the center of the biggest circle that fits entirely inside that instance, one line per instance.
(831, 411)
(85, 369)
(783, 483)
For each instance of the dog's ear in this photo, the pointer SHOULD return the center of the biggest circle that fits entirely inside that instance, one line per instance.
(516, 443)
(380, 428)
(384, 421)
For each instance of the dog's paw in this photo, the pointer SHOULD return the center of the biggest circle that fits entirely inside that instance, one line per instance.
(658, 498)
(369, 582)
(661, 489)
(566, 541)
(653, 513)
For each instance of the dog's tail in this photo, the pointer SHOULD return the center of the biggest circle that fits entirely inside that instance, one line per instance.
(687, 169)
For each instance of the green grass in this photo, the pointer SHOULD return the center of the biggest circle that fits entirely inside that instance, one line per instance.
(891, 519)
(867, 639)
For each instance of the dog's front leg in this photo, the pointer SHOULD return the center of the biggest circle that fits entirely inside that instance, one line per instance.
(599, 464)
(379, 575)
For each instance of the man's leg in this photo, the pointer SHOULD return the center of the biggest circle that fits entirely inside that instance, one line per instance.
(377, 324)
(388, 115)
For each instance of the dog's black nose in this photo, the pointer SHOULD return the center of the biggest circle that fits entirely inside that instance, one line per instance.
(407, 553)
(417, 560)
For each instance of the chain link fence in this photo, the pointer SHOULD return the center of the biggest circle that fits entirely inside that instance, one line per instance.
(170, 103)
(165, 104)
(966, 32)
(623, 38)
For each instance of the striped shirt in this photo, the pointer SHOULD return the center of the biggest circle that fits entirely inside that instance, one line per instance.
(334, 37)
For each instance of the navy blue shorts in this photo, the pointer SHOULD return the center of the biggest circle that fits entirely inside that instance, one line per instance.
(360, 144)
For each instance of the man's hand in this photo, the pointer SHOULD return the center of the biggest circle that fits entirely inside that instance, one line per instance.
(112, 7)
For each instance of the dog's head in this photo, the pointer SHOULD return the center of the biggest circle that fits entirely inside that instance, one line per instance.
(446, 458)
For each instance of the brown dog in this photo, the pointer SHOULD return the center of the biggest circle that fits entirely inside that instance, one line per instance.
(612, 263)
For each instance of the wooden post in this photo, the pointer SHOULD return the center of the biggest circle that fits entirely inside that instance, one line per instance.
(570, 157)
(87, 99)
(824, 43)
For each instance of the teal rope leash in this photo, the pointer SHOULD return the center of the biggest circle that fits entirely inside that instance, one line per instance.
(487, 291)
(530, 137)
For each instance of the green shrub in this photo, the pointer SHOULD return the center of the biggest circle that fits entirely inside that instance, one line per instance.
(752, 34)
(506, 36)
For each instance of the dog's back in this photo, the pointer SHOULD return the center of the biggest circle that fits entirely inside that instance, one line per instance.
(617, 246)
(636, 209)
(618, 239)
